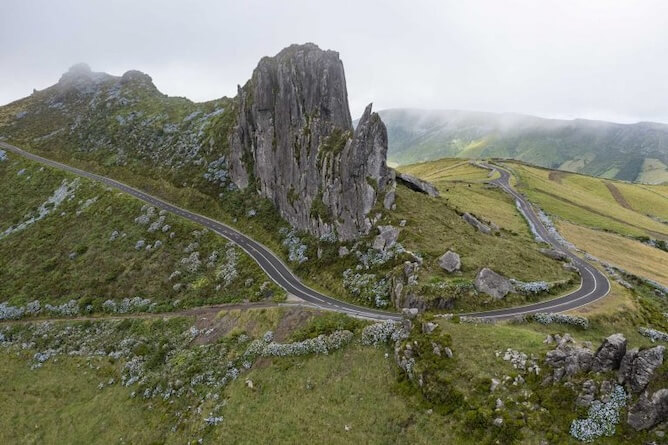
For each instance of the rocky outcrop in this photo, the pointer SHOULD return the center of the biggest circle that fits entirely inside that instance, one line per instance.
(386, 238)
(588, 393)
(609, 355)
(491, 283)
(294, 143)
(649, 411)
(568, 359)
(450, 261)
(417, 184)
(637, 367)
(475, 222)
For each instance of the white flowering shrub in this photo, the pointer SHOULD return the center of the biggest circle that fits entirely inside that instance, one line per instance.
(66, 309)
(602, 418)
(532, 287)
(296, 249)
(228, 271)
(653, 334)
(549, 318)
(373, 257)
(191, 263)
(382, 332)
(8, 312)
(367, 287)
(3, 156)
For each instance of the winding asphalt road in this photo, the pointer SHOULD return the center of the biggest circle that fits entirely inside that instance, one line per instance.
(594, 284)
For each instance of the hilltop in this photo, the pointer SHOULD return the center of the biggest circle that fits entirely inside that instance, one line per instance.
(630, 152)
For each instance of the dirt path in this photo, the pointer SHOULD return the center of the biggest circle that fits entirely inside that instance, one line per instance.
(614, 191)
(198, 312)
(556, 176)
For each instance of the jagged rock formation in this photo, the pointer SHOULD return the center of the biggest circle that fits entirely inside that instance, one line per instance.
(288, 135)
(637, 367)
(294, 142)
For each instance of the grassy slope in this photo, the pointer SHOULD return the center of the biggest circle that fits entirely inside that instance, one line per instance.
(587, 201)
(35, 263)
(313, 397)
(630, 255)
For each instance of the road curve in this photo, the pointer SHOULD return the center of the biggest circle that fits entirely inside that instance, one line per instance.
(594, 284)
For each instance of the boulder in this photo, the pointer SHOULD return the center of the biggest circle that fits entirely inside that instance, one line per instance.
(410, 313)
(491, 283)
(475, 222)
(386, 238)
(637, 367)
(649, 411)
(554, 254)
(609, 355)
(417, 184)
(450, 261)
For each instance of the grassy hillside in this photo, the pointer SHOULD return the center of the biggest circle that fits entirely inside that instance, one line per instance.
(637, 152)
(355, 392)
(66, 238)
(627, 209)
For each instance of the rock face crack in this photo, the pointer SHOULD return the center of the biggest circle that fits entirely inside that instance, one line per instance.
(295, 144)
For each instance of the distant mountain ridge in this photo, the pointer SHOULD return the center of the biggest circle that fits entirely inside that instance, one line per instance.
(631, 152)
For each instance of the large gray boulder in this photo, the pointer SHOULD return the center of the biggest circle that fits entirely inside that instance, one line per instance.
(609, 355)
(491, 283)
(450, 261)
(417, 184)
(386, 238)
(554, 254)
(649, 411)
(475, 222)
(294, 142)
(637, 367)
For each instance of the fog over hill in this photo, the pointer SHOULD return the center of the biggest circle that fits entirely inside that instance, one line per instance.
(632, 152)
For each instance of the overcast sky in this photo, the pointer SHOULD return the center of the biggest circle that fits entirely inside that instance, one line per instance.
(596, 59)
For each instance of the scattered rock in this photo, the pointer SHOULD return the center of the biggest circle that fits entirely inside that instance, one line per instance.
(450, 261)
(610, 353)
(498, 421)
(114, 235)
(448, 352)
(343, 251)
(567, 360)
(417, 184)
(140, 244)
(491, 283)
(429, 327)
(402, 223)
(475, 222)
(386, 238)
(495, 384)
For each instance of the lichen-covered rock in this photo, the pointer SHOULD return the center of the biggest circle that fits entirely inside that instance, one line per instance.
(588, 393)
(491, 283)
(609, 355)
(450, 261)
(294, 142)
(637, 367)
(417, 184)
(649, 411)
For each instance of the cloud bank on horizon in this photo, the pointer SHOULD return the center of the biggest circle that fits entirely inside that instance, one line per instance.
(602, 59)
